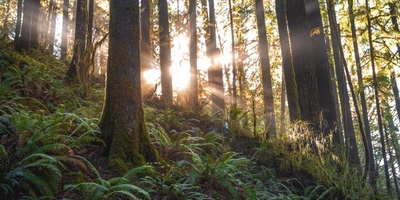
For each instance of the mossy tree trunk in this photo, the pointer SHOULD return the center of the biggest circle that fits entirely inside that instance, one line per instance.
(122, 123)
(325, 94)
(303, 61)
(77, 62)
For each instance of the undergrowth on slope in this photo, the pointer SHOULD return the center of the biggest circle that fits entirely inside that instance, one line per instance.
(49, 148)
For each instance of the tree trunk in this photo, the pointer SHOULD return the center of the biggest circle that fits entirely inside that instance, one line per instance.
(377, 103)
(165, 53)
(29, 38)
(193, 90)
(52, 27)
(371, 160)
(146, 57)
(77, 62)
(350, 139)
(390, 128)
(303, 63)
(122, 123)
(287, 64)
(265, 71)
(338, 137)
(233, 61)
(215, 72)
(320, 55)
(64, 34)
(18, 24)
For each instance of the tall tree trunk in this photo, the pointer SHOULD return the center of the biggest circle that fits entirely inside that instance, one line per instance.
(52, 27)
(64, 34)
(47, 24)
(215, 71)
(29, 38)
(165, 53)
(303, 62)
(371, 160)
(18, 23)
(287, 64)
(321, 61)
(351, 144)
(233, 61)
(390, 128)
(122, 123)
(193, 90)
(77, 62)
(35, 21)
(338, 137)
(146, 57)
(393, 11)
(377, 103)
(265, 71)
(283, 103)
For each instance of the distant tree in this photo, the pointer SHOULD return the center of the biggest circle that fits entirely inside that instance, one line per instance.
(165, 53)
(303, 62)
(287, 63)
(64, 34)
(193, 90)
(18, 23)
(122, 123)
(77, 63)
(265, 71)
(233, 61)
(377, 102)
(349, 133)
(146, 57)
(52, 25)
(29, 38)
(215, 75)
(370, 159)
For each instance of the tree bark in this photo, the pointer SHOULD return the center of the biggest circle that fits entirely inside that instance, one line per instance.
(193, 90)
(52, 26)
(287, 64)
(265, 71)
(146, 57)
(303, 63)
(29, 38)
(165, 53)
(377, 103)
(321, 61)
(77, 63)
(122, 123)
(64, 34)
(215, 71)
(350, 139)
(370, 160)
(18, 24)
(233, 61)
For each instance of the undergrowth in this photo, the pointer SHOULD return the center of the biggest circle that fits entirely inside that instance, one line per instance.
(49, 143)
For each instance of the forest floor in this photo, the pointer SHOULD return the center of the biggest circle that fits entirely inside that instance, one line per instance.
(49, 148)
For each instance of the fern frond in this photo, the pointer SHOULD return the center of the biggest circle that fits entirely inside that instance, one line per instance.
(133, 172)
